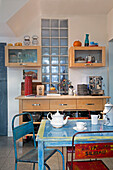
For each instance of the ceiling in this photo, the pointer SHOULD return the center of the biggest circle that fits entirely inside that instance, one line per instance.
(15, 15)
(75, 7)
(57, 7)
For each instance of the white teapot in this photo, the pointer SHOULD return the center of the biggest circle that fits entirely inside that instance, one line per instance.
(57, 120)
(108, 112)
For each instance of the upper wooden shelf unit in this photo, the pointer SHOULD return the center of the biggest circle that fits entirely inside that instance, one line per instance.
(22, 56)
(78, 56)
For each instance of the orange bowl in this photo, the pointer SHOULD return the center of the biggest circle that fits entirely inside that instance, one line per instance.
(18, 44)
(52, 88)
(77, 43)
(10, 44)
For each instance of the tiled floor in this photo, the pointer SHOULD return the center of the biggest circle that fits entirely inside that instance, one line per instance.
(7, 157)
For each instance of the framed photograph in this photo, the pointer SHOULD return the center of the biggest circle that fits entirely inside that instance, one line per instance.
(33, 73)
(40, 90)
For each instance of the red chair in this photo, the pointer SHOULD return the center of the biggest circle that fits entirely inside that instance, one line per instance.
(102, 149)
(69, 149)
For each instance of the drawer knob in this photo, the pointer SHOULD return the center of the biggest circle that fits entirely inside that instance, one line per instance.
(35, 104)
(62, 104)
(90, 104)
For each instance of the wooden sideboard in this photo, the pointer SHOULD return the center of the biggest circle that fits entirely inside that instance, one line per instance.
(46, 103)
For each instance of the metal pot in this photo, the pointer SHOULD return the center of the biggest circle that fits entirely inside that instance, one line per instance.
(36, 116)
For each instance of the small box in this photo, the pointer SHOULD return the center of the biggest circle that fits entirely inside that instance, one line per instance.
(40, 90)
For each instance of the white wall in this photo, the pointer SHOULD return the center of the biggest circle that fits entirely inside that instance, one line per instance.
(14, 77)
(110, 39)
(111, 70)
(79, 25)
(96, 26)
(110, 25)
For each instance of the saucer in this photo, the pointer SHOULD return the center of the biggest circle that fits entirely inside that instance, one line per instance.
(75, 128)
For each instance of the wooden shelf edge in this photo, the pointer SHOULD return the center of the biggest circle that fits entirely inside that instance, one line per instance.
(33, 122)
(31, 135)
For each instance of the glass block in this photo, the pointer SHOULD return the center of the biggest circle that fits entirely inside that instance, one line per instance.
(45, 42)
(54, 23)
(55, 78)
(54, 51)
(54, 33)
(63, 69)
(45, 33)
(64, 33)
(63, 51)
(54, 60)
(45, 60)
(45, 22)
(47, 87)
(64, 23)
(45, 69)
(46, 78)
(63, 42)
(64, 60)
(54, 42)
(62, 77)
(45, 51)
(54, 69)
(56, 86)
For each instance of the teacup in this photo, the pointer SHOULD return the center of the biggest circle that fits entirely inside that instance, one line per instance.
(80, 125)
(94, 119)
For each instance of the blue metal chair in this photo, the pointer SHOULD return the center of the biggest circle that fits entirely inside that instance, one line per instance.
(32, 155)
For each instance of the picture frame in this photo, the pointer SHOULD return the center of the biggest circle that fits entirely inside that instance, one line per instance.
(31, 72)
(40, 90)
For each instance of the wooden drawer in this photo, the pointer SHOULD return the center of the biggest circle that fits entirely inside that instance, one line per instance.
(90, 104)
(35, 105)
(62, 104)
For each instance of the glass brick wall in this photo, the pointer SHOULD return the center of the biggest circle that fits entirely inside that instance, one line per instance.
(54, 42)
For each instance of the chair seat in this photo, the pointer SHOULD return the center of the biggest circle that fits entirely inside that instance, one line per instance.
(88, 165)
(32, 156)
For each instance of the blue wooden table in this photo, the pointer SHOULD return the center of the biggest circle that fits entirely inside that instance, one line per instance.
(57, 137)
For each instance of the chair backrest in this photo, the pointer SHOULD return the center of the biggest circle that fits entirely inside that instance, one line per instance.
(76, 110)
(99, 148)
(22, 130)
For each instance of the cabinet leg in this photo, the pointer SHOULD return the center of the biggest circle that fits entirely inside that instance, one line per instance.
(20, 144)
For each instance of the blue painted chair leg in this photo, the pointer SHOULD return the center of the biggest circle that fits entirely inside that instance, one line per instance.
(15, 165)
(62, 159)
(33, 166)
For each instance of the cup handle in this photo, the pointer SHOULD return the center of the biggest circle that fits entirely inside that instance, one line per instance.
(48, 116)
(99, 116)
(108, 120)
(85, 124)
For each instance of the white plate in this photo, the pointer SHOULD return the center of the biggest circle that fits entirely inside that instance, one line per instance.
(75, 128)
